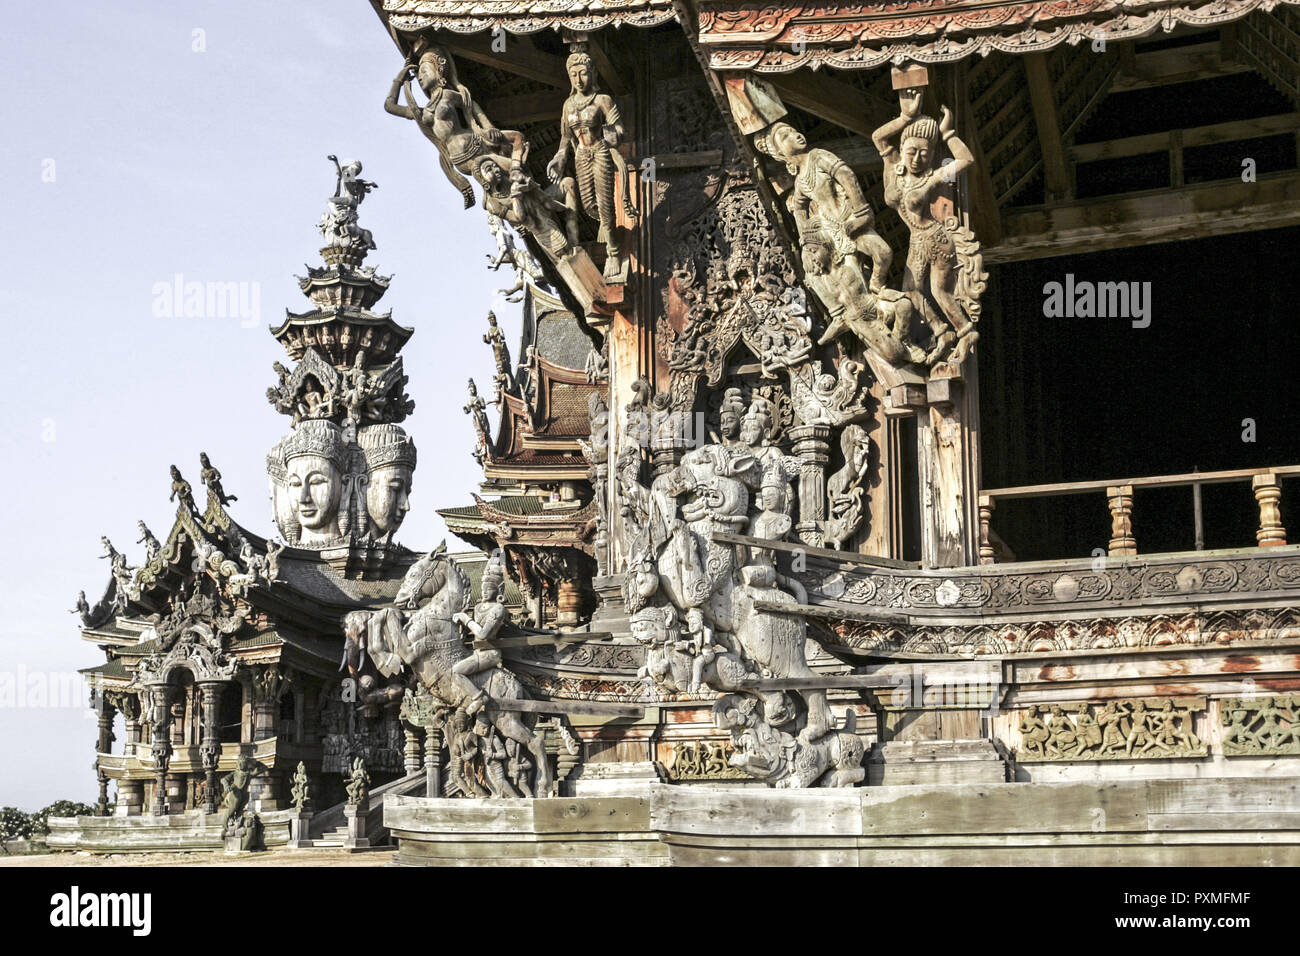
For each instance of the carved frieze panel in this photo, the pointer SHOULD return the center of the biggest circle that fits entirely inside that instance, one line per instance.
(1188, 628)
(525, 16)
(1004, 588)
(1137, 729)
(702, 760)
(779, 38)
(1260, 726)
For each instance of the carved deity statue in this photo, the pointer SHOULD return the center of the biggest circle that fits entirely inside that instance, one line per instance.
(358, 788)
(452, 120)
(309, 470)
(592, 129)
(300, 793)
(390, 466)
(338, 226)
(476, 409)
(500, 354)
(235, 787)
(944, 274)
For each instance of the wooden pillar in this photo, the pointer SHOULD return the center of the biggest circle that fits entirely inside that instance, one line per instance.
(987, 555)
(1268, 493)
(432, 762)
(411, 751)
(210, 742)
(160, 746)
(948, 469)
(812, 446)
(1122, 542)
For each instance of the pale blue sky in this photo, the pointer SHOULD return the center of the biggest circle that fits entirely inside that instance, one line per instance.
(210, 164)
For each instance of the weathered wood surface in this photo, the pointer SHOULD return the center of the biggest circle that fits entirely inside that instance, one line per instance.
(1195, 822)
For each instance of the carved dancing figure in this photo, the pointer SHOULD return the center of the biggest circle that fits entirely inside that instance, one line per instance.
(1033, 732)
(452, 120)
(151, 545)
(212, 478)
(475, 407)
(181, 489)
(826, 188)
(944, 264)
(592, 129)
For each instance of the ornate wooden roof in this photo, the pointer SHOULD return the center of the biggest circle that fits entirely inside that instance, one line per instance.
(524, 16)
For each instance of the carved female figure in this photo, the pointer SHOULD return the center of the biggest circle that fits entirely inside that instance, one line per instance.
(825, 187)
(451, 120)
(944, 266)
(590, 126)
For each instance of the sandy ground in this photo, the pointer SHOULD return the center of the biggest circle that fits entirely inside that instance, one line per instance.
(329, 857)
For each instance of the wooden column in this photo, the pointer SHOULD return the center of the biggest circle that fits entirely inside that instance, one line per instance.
(210, 742)
(812, 446)
(948, 469)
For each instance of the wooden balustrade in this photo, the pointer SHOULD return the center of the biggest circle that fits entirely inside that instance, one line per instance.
(1119, 501)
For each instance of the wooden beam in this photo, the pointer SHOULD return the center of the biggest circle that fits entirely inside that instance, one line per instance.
(612, 77)
(1055, 179)
(515, 111)
(1176, 65)
(832, 100)
(520, 57)
(1196, 136)
(985, 217)
(1166, 215)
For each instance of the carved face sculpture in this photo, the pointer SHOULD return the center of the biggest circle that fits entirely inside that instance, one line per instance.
(491, 175)
(729, 422)
(787, 141)
(752, 431)
(315, 488)
(387, 498)
(580, 74)
(432, 72)
(917, 155)
(816, 258)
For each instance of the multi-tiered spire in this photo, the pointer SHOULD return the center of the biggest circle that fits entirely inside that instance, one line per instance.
(340, 479)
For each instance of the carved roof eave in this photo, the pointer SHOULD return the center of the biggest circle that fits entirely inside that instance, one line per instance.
(761, 36)
(524, 16)
(359, 316)
(576, 518)
(535, 472)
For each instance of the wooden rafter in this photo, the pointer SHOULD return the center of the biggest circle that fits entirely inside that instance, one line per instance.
(1056, 180)
(833, 100)
(520, 57)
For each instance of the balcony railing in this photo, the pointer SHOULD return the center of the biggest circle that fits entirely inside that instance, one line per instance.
(1264, 483)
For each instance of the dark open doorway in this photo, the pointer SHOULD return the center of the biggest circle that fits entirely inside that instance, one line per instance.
(1076, 399)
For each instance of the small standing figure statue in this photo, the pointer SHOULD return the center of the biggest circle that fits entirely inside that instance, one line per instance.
(212, 478)
(300, 794)
(500, 354)
(945, 270)
(348, 184)
(181, 489)
(359, 785)
(120, 569)
(590, 126)
(151, 545)
(273, 549)
(475, 407)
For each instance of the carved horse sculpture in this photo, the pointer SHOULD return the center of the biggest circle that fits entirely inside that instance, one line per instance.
(418, 632)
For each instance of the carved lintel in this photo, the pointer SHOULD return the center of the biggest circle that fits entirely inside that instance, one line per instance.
(1137, 729)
